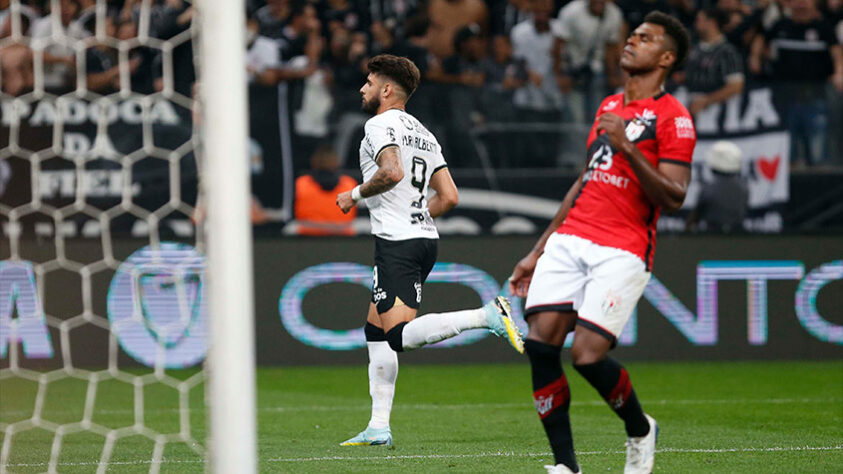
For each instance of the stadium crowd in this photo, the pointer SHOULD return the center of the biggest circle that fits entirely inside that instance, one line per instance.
(503, 62)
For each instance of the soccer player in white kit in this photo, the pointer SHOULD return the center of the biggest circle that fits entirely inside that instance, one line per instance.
(400, 159)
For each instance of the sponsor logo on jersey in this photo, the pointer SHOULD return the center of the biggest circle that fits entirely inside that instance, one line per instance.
(611, 105)
(647, 116)
(684, 127)
(391, 132)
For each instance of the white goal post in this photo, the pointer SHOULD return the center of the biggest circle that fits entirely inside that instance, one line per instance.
(231, 355)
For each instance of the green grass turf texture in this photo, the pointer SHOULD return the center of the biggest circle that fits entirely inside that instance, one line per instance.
(732, 417)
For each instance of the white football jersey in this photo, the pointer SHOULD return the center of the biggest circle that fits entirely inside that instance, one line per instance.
(401, 213)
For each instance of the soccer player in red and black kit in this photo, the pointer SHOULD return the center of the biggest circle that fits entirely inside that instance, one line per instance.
(589, 268)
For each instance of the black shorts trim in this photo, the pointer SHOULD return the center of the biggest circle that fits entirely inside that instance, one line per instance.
(675, 162)
(560, 307)
(599, 330)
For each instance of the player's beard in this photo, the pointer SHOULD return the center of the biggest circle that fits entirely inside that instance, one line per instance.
(371, 106)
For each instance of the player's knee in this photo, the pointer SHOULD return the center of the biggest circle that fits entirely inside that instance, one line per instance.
(395, 337)
(373, 333)
(584, 355)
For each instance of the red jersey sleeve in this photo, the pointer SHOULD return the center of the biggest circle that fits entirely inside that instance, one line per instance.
(676, 136)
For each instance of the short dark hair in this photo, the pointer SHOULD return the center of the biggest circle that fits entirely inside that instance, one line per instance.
(398, 69)
(677, 34)
(719, 16)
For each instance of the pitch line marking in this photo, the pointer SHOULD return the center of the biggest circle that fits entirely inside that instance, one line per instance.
(458, 406)
(579, 453)
(774, 449)
(527, 404)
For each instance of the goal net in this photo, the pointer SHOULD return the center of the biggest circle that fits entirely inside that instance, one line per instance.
(105, 317)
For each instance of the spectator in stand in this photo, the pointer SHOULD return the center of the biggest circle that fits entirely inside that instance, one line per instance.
(449, 16)
(102, 67)
(634, 11)
(300, 39)
(172, 19)
(16, 66)
(539, 99)
(503, 76)
(505, 14)
(383, 38)
(343, 14)
(744, 22)
(394, 14)
(272, 18)
(87, 9)
(464, 72)
(59, 57)
(803, 56)
(346, 61)
(586, 54)
(143, 79)
(714, 71)
(722, 203)
(316, 211)
(413, 45)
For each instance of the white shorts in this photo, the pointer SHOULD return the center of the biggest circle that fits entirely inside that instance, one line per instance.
(602, 284)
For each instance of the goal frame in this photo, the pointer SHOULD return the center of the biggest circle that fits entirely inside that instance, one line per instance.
(231, 353)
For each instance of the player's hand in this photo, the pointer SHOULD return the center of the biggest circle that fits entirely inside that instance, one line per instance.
(344, 202)
(522, 275)
(615, 128)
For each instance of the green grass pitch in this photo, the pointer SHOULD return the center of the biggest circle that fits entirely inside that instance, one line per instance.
(729, 417)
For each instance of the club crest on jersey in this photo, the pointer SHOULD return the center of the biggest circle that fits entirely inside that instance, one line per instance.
(408, 124)
(635, 128)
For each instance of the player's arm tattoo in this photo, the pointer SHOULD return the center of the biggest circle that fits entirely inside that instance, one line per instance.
(389, 173)
(666, 185)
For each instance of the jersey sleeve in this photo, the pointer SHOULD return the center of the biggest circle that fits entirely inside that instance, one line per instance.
(676, 137)
(380, 135)
(438, 161)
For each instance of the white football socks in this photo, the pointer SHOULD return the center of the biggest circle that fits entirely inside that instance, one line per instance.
(383, 370)
(435, 327)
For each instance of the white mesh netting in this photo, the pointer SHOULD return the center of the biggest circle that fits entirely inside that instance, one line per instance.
(102, 320)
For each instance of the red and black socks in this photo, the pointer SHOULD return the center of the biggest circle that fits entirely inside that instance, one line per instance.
(612, 382)
(553, 398)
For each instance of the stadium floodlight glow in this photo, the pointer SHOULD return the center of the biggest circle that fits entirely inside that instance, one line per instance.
(231, 361)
